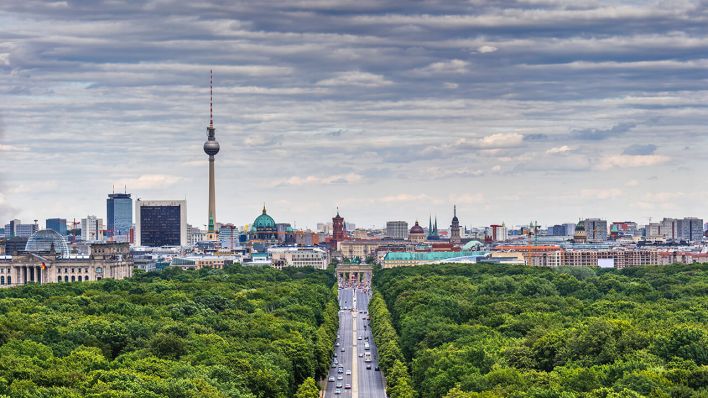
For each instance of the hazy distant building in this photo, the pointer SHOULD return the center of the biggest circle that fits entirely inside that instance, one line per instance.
(15, 228)
(92, 229)
(690, 229)
(455, 237)
(397, 230)
(596, 229)
(416, 233)
(160, 223)
(229, 236)
(119, 214)
(498, 233)
(57, 225)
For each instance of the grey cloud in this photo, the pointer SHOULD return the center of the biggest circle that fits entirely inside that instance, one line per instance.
(640, 149)
(602, 134)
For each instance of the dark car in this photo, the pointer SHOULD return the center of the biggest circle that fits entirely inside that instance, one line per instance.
(377, 369)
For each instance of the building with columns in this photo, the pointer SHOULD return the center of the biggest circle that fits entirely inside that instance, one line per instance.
(47, 260)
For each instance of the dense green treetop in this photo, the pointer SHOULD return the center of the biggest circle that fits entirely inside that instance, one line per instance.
(239, 332)
(490, 330)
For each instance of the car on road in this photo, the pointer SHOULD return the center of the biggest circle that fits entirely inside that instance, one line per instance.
(377, 369)
(342, 349)
(338, 391)
(340, 370)
(347, 386)
(331, 378)
(349, 372)
(334, 365)
(340, 377)
(336, 344)
(339, 385)
(368, 366)
(361, 355)
(359, 338)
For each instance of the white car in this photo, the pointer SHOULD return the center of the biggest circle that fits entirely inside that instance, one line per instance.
(349, 372)
(331, 378)
(340, 377)
(361, 355)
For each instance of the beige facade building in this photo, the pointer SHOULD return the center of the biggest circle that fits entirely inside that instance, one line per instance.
(298, 257)
(106, 260)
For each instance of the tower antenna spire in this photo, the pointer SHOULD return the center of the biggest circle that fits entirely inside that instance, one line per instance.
(211, 98)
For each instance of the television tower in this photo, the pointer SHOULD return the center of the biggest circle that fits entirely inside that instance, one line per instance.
(211, 148)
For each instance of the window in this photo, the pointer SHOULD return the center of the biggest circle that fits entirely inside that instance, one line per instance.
(2, 280)
(73, 278)
(9, 280)
(79, 278)
(59, 278)
(66, 278)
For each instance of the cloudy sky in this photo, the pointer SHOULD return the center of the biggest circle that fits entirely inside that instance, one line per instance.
(545, 110)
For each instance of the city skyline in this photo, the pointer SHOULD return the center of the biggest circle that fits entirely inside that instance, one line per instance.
(540, 111)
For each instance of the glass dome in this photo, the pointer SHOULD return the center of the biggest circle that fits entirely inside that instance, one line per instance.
(41, 241)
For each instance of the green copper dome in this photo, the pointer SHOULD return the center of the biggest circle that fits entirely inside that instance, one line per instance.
(264, 221)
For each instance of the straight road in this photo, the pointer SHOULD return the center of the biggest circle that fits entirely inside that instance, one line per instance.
(365, 383)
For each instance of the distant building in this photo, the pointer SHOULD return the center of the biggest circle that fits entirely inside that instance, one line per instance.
(580, 235)
(499, 233)
(160, 223)
(410, 259)
(92, 229)
(690, 229)
(16, 228)
(228, 236)
(397, 230)
(57, 224)
(557, 230)
(40, 266)
(298, 257)
(416, 233)
(119, 214)
(194, 235)
(455, 237)
(596, 229)
(338, 229)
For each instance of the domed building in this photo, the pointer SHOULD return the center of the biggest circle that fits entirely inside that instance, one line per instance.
(580, 235)
(46, 241)
(416, 233)
(264, 228)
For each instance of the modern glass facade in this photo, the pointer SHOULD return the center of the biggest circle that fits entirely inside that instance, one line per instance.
(57, 225)
(160, 226)
(119, 209)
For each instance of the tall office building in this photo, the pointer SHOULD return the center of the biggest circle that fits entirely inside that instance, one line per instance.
(160, 223)
(690, 229)
(596, 229)
(397, 230)
(119, 214)
(211, 148)
(92, 229)
(57, 225)
(15, 228)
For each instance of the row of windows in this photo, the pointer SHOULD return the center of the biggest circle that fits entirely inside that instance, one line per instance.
(9, 280)
(74, 278)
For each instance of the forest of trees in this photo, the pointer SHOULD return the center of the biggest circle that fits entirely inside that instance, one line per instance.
(512, 331)
(239, 332)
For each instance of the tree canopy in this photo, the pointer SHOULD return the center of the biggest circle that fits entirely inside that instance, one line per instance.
(489, 330)
(239, 332)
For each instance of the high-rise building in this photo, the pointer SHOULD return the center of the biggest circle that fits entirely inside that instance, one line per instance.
(92, 229)
(160, 223)
(228, 236)
(397, 230)
(499, 233)
(15, 228)
(690, 229)
(668, 229)
(455, 227)
(57, 225)
(119, 214)
(596, 229)
(211, 148)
